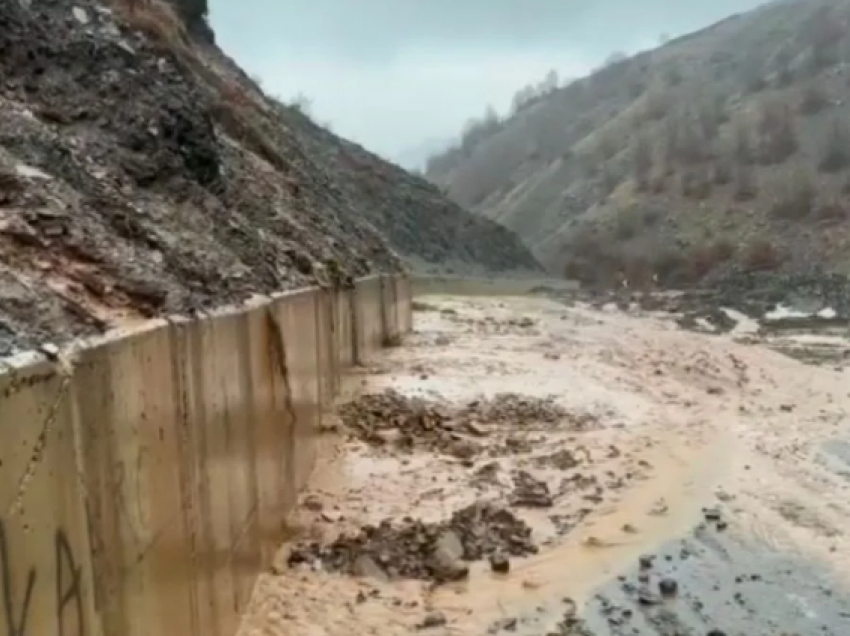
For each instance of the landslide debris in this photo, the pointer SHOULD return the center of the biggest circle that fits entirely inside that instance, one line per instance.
(142, 173)
(416, 550)
(407, 423)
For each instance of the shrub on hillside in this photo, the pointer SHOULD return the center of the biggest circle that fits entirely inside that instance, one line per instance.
(833, 210)
(761, 256)
(722, 172)
(796, 197)
(813, 100)
(746, 187)
(822, 31)
(671, 267)
(696, 185)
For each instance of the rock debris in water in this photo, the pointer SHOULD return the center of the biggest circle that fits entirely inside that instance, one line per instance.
(416, 550)
(408, 423)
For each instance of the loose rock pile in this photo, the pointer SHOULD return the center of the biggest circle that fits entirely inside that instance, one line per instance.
(515, 409)
(418, 550)
(405, 423)
(408, 423)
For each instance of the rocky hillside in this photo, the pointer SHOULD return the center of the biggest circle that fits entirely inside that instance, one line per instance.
(142, 173)
(727, 150)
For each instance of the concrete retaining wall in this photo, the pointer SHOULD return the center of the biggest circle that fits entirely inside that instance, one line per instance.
(145, 482)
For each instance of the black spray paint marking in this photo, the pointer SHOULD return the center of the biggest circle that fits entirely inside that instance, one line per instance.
(15, 625)
(69, 591)
(68, 585)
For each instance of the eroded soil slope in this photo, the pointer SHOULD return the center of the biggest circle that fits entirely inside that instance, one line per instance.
(520, 466)
(143, 173)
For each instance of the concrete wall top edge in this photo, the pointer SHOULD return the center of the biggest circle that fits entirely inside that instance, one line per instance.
(27, 358)
(21, 361)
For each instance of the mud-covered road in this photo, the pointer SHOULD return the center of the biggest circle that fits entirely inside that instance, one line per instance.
(520, 466)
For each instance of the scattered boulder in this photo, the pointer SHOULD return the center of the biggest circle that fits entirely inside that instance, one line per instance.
(432, 619)
(500, 563)
(447, 560)
(418, 550)
(668, 587)
(391, 419)
(530, 492)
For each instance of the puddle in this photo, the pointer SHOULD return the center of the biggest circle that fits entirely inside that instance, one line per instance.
(725, 583)
(837, 457)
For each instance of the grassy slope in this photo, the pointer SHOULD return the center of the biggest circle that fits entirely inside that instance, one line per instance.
(730, 146)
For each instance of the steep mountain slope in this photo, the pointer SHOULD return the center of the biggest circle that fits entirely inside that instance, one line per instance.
(728, 149)
(142, 172)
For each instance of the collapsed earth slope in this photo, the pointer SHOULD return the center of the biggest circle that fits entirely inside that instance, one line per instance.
(143, 173)
(724, 150)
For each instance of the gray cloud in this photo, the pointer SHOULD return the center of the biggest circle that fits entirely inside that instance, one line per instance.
(391, 73)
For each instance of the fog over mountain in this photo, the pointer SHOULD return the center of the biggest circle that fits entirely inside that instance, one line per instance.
(392, 73)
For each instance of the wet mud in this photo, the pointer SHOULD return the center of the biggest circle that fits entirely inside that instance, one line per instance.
(717, 582)
(523, 467)
(714, 581)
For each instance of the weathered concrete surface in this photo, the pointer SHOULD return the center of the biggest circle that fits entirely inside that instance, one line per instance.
(145, 479)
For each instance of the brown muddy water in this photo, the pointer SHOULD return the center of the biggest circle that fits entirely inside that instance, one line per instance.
(680, 483)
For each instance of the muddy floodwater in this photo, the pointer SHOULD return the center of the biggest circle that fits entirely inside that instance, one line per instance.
(525, 466)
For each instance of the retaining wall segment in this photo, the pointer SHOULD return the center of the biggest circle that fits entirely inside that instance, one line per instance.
(145, 480)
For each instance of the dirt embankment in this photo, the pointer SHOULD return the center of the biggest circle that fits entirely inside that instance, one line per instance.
(521, 466)
(143, 173)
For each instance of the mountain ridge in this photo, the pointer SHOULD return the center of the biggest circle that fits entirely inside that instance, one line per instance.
(721, 149)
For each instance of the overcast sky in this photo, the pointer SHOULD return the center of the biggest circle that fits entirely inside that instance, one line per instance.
(395, 75)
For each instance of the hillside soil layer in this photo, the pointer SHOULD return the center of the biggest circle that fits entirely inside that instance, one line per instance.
(142, 173)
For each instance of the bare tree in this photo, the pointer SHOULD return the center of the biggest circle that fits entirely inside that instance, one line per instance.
(745, 184)
(302, 103)
(836, 152)
(742, 142)
(777, 133)
(642, 162)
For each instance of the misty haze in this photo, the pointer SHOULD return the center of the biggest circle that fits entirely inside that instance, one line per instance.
(401, 76)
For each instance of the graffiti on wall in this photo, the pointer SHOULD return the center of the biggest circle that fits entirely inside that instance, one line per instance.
(18, 592)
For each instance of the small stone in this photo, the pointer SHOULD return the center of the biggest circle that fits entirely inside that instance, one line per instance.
(50, 350)
(647, 596)
(446, 558)
(366, 567)
(432, 619)
(311, 502)
(668, 587)
(645, 561)
(80, 15)
(711, 514)
(499, 563)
